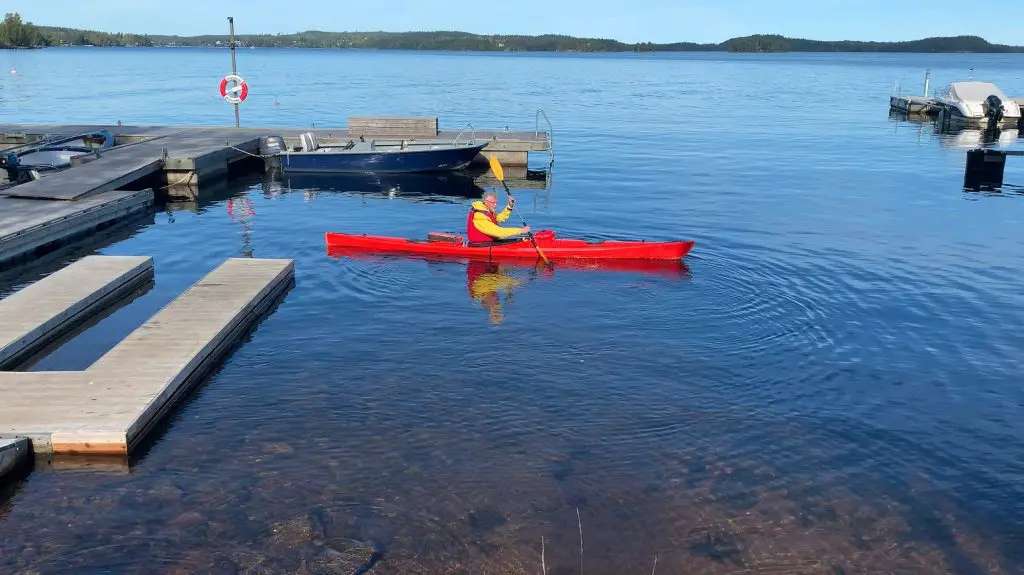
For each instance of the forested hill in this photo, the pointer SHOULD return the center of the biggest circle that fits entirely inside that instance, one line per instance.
(561, 43)
(14, 33)
(773, 43)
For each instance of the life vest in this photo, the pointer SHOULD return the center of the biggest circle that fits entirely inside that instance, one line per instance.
(474, 235)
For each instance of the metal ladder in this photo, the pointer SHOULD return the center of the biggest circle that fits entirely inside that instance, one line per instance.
(550, 136)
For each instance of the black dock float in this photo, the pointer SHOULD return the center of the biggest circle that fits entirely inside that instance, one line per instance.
(986, 167)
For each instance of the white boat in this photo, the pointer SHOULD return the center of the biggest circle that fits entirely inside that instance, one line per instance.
(974, 103)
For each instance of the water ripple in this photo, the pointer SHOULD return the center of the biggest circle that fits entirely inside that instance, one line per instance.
(832, 382)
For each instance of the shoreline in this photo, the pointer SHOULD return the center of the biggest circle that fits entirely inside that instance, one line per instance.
(478, 51)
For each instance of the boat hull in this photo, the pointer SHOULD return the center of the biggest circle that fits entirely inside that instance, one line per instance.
(413, 159)
(674, 268)
(555, 249)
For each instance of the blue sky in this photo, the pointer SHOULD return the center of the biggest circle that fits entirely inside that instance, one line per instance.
(629, 21)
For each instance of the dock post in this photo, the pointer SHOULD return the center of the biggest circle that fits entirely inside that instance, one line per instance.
(927, 81)
(984, 169)
(234, 70)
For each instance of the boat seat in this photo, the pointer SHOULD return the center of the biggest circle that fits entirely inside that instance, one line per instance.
(309, 142)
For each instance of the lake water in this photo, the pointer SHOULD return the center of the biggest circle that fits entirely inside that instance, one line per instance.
(831, 385)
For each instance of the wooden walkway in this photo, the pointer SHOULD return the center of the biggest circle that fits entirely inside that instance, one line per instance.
(28, 225)
(207, 151)
(16, 134)
(38, 314)
(111, 406)
(203, 149)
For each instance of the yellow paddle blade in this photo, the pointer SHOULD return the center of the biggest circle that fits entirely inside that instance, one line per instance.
(496, 168)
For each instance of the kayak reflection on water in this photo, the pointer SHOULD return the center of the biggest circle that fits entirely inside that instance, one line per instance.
(487, 280)
(484, 279)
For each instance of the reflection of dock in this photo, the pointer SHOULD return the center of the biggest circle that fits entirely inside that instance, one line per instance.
(518, 178)
(462, 184)
(451, 184)
(107, 464)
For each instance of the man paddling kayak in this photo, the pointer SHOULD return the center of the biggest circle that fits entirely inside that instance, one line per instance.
(482, 221)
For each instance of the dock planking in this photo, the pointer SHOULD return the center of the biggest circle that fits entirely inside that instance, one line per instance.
(111, 406)
(32, 317)
(207, 151)
(109, 172)
(377, 127)
(27, 225)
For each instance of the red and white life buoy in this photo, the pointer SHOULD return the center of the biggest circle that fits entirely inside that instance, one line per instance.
(238, 93)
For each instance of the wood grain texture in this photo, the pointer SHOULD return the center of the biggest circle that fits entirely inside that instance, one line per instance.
(27, 225)
(111, 406)
(41, 312)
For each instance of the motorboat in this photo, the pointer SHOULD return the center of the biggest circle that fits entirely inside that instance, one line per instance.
(371, 156)
(975, 103)
(53, 156)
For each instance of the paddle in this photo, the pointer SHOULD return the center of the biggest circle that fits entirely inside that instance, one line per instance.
(500, 174)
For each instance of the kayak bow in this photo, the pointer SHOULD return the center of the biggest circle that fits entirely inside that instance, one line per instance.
(555, 249)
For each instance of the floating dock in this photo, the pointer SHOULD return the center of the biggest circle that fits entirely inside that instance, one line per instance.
(186, 156)
(925, 105)
(29, 227)
(148, 163)
(915, 105)
(985, 168)
(110, 407)
(13, 453)
(35, 316)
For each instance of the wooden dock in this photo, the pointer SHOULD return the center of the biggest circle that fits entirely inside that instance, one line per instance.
(205, 152)
(112, 405)
(44, 311)
(153, 162)
(914, 105)
(185, 158)
(30, 226)
(13, 452)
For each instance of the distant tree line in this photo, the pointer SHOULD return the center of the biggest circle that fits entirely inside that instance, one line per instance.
(17, 34)
(14, 33)
(776, 43)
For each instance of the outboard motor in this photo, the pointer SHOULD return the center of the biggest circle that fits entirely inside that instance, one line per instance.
(271, 145)
(994, 109)
(271, 148)
(9, 162)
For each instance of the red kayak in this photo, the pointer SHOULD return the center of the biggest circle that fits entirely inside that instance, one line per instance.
(676, 269)
(445, 244)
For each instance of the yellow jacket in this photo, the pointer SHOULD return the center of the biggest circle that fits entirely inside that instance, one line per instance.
(486, 226)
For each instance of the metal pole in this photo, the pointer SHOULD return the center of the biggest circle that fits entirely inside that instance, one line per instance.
(234, 70)
(927, 80)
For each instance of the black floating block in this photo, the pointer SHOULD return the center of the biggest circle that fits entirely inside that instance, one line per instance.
(984, 169)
